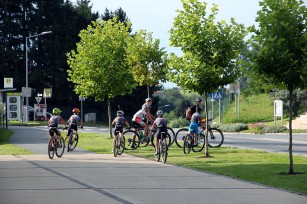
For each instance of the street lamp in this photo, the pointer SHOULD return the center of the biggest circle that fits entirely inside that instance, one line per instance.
(164, 106)
(27, 83)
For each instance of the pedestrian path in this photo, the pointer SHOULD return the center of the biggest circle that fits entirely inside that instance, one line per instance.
(100, 178)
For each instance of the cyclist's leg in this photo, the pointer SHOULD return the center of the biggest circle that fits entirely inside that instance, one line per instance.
(158, 136)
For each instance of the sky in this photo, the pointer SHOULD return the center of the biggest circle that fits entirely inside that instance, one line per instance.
(157, 16)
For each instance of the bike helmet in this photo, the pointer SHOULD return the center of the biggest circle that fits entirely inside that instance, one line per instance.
(75, 110)
(198, 100)
(148, 99)
(120, 112)
(56, 111)
(159, 112)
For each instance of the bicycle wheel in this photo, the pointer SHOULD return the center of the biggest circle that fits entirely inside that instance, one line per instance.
(50, 149)
(164, 149)
(158, 154)
(132, 139)
(73, 141)
(172, 134)
(180, 136)
(144, 140)
(200, 143)
(168, 139)
(60, 147)
(215, 138)
(121, 146)
(187, 144)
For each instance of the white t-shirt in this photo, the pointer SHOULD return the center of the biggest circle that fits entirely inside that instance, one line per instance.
(140, 114)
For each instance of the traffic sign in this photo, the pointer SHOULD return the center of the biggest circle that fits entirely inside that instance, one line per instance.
(217, 95)
(38, 99)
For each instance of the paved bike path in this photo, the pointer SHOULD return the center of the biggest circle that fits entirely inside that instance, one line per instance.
(85, 177)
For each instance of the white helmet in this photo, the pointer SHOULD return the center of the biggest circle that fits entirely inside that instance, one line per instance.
(120, 112)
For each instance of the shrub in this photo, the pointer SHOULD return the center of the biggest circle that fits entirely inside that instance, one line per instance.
(178, 122)
(235, 127)
(274, 129)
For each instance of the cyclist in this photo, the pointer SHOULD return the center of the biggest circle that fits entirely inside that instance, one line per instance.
(119, 122)
(138, 118)
(160, 124)
(73, 122)
(54, 122)
(149, 102)
(195, 120)
(192, 110)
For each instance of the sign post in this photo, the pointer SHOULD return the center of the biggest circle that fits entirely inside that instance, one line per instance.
(218, 95)
(278, 110)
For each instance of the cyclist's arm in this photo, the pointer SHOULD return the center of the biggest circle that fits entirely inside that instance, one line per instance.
(62, 121)
(128, 125)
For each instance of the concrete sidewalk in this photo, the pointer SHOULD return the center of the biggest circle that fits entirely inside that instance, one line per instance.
(95, 178)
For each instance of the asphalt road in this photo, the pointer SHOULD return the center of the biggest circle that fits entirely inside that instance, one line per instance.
(278, 142)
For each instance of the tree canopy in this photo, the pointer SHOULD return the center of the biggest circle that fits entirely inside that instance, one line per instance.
(281, 48)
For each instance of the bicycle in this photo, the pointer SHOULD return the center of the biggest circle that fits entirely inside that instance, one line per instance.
(162, 150)
(196, 142)
(215, 139)
(55, 145)
(119, 144)
(73, 140)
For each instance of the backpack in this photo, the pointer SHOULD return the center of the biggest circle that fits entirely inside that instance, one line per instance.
(187, 115)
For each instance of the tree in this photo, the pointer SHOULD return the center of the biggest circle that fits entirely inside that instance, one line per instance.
(210, 50)
(282, 43)
(98, 66)
(147, 60)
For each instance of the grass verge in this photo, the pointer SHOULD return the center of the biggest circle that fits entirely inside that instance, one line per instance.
(9, 149)
(250, 165)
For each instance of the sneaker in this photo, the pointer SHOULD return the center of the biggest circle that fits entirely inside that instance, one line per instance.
(112, 150)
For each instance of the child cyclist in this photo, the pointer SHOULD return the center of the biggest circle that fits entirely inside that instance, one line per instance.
(195, 120)
(119, 122)
(160, 124)
(54, 121)
(73, 122)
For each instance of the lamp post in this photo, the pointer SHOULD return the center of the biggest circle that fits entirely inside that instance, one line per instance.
(27, 83)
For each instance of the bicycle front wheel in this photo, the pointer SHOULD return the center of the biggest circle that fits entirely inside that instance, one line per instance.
(73, 141)
(164, 150)
(50, 149)
(215, 138)
(180, 136)
(200, 143)
(132, 140)
(60, 147)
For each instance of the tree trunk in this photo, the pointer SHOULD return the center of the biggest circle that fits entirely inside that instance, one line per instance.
(110, 121)
(148, 91)
(291, 168)
(207, 122)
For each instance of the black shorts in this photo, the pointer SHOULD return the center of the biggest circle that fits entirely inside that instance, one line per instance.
(53, 130)
(159, 131)
(118, 129)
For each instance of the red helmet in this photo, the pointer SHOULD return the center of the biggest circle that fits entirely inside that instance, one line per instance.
(75, 110)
